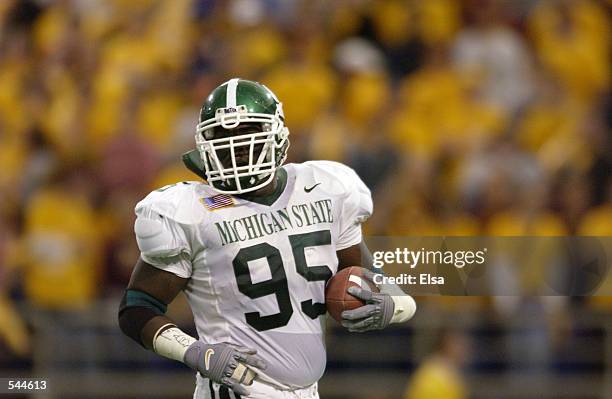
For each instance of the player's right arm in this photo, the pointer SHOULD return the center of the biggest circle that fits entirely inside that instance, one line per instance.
(142, 318)
(150, 290)
(163, 270)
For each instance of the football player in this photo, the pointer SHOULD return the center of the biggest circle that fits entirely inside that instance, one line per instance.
(252, 247)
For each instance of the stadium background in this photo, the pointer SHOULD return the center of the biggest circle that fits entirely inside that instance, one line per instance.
(474, 117)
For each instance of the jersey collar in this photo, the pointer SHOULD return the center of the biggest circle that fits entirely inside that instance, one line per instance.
(270, 199)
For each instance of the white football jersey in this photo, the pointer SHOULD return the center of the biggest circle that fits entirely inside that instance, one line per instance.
(257, 271)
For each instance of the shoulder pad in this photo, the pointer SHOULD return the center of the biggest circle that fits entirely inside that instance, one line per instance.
(178, 202)
(154, 239)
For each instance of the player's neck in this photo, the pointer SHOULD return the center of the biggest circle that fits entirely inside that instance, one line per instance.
(265, 191)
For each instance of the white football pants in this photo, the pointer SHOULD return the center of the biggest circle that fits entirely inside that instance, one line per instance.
(206, 389)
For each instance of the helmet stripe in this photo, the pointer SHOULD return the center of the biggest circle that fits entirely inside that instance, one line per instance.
(230, 96)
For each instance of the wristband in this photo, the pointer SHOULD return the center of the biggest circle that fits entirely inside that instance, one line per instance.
(405, 308)
(172, 342)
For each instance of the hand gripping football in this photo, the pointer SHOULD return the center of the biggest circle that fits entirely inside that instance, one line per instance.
(337, 299)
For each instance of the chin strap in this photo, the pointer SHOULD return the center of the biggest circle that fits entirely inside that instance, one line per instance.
(194, 163)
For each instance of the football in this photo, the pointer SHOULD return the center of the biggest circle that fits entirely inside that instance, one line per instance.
(337, 299)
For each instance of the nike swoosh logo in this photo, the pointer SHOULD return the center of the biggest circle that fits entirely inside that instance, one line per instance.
(311, 188)
(207, 356)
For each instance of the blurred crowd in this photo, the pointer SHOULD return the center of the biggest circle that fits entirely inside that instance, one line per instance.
(474, 117)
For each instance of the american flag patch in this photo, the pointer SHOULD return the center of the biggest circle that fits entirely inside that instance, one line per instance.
(217, 201)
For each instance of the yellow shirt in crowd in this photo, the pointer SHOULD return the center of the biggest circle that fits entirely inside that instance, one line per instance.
(61, 250)
(436, 379)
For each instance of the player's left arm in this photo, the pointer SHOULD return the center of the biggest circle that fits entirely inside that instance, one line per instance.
(389, 306)
(356, 255)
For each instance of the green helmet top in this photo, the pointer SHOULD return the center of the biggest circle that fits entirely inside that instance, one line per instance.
(257, 99)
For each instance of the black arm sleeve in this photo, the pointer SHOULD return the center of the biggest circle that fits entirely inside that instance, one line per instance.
(135, 310)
